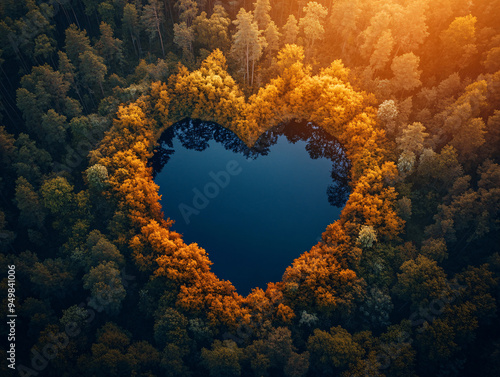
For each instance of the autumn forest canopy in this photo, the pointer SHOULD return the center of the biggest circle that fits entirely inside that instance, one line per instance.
(404, 283)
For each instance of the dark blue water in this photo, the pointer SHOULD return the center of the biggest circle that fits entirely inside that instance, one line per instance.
(253, 210)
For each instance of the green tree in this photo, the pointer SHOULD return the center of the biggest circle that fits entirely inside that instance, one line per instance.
(92, 71)
(172, 362)
(112, 336)
(28, 202)
(458, 118)
(261, 13)
(376, 308)
(406, 162)
(434, 248)
(437, 343)
(212, 33)
(409, 26)
(256, 355)
(478, 288)
(420, 281)
(75, 315)
(171, 328)
(395, 353)
(312, 23)
(388, 113)
(297, 365)
(66, 68)
(223, 359)
(54, 127)
(42, 90)
(406, 73)
(30, 161)
(247, 43)
(107, 11)
(184, 38)
(492, 60)
(439, 171)
(404, 208)
(109, 352)
(493, 134)
(272, 36)
(76, 42)
(459, 42)
(344, 20)
(379, 24)
(382, 51)
(188, 9)
(130, 26)
(106, 287)
(332, 351)
(144, 358)
(412, 138)
(97, 177)
(58, 197)
(30, 34)
(39, 313)
(467, 213)
(153, 20)
(87, 131)
(44, 46)
(110, 48)
(280, 346)
(100, 250)
(7, 148)
(52, 278)
(469, 139)
(290, 30)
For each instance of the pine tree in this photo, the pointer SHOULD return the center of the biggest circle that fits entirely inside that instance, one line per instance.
(153, 20)
(188, 9)
(77, 42)
(344, 20)
(130, 26)
(213, 32)
(272, 36)
(290, 30)
(261, 13)
(459, 41)
(247, 43)
(382, 53)
(311, 23)
(406, 73)
(110, 48)
(184, 37)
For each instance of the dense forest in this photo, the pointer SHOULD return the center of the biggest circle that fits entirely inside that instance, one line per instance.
(405, 283)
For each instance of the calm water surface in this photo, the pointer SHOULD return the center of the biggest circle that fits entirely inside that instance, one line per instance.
(253, 210)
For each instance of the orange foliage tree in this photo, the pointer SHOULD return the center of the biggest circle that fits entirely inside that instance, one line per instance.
(323, 278)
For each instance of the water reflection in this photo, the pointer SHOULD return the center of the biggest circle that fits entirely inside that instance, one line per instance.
(196, 135)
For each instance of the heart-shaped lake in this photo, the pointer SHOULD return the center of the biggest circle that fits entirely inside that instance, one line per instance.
(254, 210)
